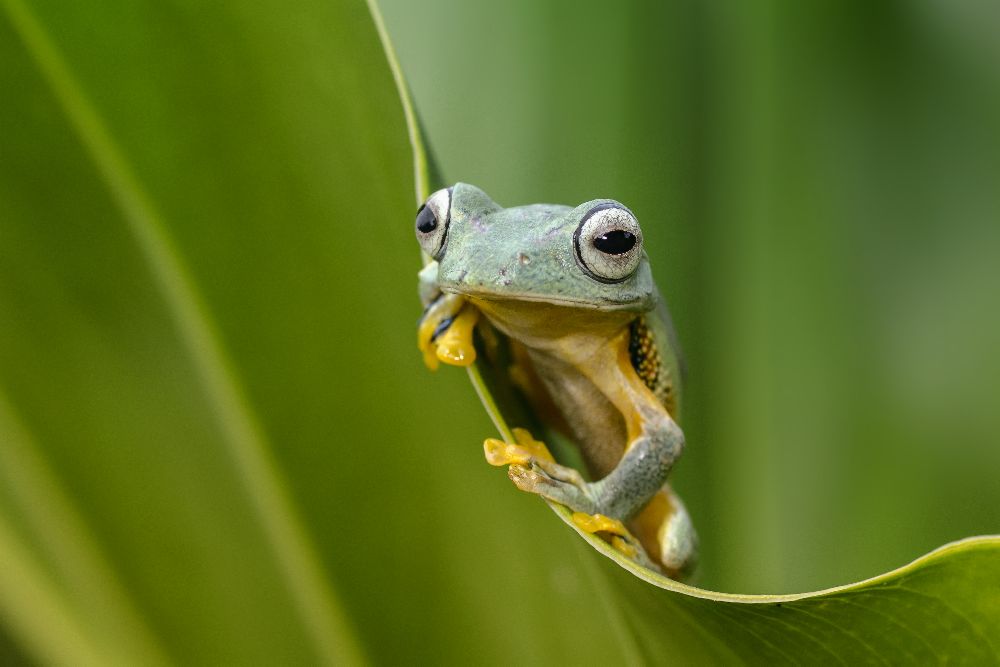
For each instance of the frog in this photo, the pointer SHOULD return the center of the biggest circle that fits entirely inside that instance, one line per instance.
(593, 350)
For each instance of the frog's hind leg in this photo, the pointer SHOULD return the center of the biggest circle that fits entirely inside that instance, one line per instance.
(664, 529)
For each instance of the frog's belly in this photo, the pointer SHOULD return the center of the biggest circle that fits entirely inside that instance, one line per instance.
(594, 423)
(559, 341)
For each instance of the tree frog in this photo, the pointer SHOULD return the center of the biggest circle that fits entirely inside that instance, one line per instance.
(593, 350)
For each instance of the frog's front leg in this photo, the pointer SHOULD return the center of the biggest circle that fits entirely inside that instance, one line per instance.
(427, 284)
(643, 469)
(445, 329)
(640, 474)
(533, 469)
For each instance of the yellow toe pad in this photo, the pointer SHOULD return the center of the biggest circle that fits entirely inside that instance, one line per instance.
(455, 345)
(620, 538)
(526, 449)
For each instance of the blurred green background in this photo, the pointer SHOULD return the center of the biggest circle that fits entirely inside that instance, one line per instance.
(217, 439)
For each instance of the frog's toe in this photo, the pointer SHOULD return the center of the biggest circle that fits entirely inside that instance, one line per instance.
(561, 473)
(526, 450)
(454, 342)
(613, 529)
(533, 469)
(500, 453)
(436, 319)
(599, 523)
(534, 479)
(529, 479)
(616, 533)
(445, 332)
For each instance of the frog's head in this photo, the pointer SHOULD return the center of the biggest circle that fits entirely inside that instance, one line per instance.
(590, 256)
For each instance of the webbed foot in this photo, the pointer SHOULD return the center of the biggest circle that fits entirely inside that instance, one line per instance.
(616, 533)
(533, 469)
(445, 332)
(526, 449)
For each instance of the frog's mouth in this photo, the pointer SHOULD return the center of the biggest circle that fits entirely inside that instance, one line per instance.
(531, 317)
(510, 299)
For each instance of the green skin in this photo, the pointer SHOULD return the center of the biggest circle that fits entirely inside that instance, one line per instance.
(521, 267)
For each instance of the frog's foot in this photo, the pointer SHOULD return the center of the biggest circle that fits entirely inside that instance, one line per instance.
(533, 469)
(529, 453)
(445, 332)
(616, 533)
(558, 483)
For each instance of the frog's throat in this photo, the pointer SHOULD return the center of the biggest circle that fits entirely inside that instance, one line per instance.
(637, 306)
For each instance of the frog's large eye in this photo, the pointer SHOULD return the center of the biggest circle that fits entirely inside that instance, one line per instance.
(609, 243)
(432, 222)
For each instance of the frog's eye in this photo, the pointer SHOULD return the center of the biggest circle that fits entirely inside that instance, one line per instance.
(432, 222)
(609, 243)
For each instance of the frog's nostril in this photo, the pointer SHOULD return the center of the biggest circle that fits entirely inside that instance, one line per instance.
(524, 259)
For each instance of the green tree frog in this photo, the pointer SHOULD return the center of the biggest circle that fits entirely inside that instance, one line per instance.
(593, 350)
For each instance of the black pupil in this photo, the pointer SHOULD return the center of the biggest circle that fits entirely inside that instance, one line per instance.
(615, 242)
(426, 221)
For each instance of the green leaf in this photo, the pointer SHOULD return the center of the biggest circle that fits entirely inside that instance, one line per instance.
(179, 187)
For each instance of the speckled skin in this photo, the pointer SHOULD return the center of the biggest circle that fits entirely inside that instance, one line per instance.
(487, 253)
(520, 268)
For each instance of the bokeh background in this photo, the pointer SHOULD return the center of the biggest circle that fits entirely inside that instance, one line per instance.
(217, 440)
